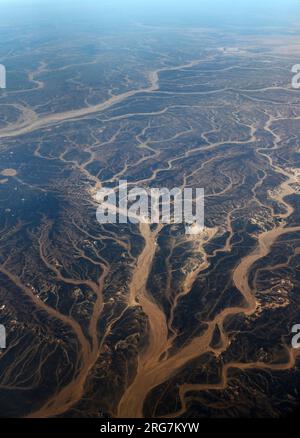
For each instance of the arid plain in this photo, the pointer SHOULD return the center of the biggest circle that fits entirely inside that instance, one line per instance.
(124, 320)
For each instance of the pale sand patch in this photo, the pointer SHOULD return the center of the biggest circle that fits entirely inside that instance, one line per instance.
(3, 181)
(8, 172)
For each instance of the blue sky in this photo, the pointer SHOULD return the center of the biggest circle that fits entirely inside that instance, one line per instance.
(251, 13)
